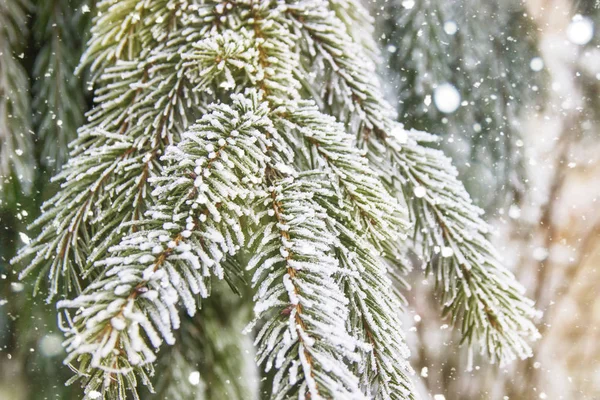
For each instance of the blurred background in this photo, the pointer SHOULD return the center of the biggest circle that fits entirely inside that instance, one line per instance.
(513, 90)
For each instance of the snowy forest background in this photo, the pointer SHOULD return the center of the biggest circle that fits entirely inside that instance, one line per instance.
(513, 90)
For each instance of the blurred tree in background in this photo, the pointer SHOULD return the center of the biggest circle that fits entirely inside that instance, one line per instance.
(511, 88)
(42, 105)
(469, 71)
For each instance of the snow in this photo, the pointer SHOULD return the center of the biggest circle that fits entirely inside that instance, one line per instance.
(146, 259)
(420, 191)
(581, 30)
(450, 27)
(118, 323)
(536, 64)
(447, 252)
(540, 253)
(400, 134)
(51, 345)
(514, 211)
(408, 4)
(24, 238)
(291, 290)
(194, 378)
(17, 287)
(446, 98)
(427, 100)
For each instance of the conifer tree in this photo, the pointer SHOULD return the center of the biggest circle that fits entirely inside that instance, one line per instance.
(16, 139)
(467, 71)
(249, 141)
(58, 32)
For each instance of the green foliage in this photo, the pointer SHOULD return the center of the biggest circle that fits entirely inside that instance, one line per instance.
(17, 167)
(250, 141)
(57, 30)
(446, 220)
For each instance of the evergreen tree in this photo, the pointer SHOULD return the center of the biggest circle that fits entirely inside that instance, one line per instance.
(16, 139)
(249, 141)
(467, 70)
(57, 31)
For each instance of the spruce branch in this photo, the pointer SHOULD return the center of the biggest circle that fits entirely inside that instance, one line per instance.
(349, 91)
(61, 249)
(207, 141)
(123, 30)
(381, 215)
(476, 290)
(181, 243)
(337, 153)
(359, 182)
(149, 103)
(499, 325)
(304, 336)
(364, 194)
(374, 319)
